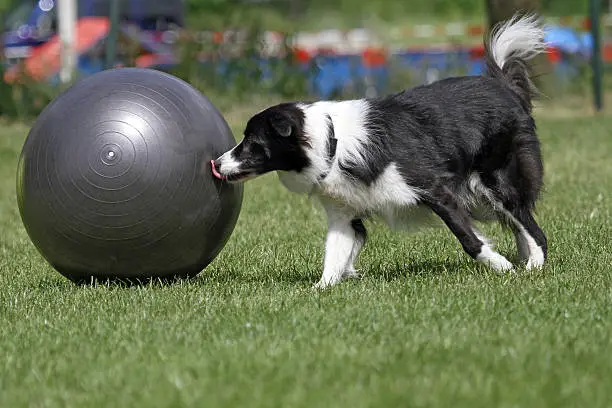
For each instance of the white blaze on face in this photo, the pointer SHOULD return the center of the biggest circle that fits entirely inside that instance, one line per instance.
(227, 164)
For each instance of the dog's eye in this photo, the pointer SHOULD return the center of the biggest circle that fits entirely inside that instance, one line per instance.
(258, 149)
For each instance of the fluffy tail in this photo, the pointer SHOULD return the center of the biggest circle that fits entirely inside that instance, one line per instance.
(509, 47)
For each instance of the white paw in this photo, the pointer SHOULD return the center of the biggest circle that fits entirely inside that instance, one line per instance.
(321, 285)
(325, 283)
(535, 263)
(503, 265)
(494, 260)
(536, 257)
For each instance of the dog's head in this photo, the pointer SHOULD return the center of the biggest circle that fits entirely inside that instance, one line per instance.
(274, 140)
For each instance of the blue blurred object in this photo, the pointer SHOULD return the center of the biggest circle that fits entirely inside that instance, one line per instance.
(333, 74)
(568, 40)
(587, 43)
(431, 64)
(575, 48)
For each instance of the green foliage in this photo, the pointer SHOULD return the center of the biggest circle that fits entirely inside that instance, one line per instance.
(287, 14)
(392, 9)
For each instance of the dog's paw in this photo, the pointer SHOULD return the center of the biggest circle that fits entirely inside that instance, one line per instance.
(327, 282)
(534, 263)
(503, 265)
(320, 285)
(496, 261)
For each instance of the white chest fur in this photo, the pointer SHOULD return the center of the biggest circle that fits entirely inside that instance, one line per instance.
(389, 196)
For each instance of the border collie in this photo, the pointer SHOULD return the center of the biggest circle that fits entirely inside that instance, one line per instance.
(452, 147)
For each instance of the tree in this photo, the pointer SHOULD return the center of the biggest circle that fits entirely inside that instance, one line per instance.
(501, 10)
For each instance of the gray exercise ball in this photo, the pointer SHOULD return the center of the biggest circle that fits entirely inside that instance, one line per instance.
(114, 180)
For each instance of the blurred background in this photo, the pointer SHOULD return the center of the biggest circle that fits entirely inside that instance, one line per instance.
(239, 51)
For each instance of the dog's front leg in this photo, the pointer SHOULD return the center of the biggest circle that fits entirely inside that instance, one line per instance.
(339, 245)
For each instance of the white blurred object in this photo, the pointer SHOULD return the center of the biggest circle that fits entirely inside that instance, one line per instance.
(359, 39)
(331, 39)
(67, 15)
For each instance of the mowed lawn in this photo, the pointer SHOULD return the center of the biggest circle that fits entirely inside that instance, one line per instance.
(425, 326)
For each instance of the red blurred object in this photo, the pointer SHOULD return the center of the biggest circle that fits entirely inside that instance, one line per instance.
(374, 57)
(554, 55)
(302, 55)
(476, 30)
(477, 52)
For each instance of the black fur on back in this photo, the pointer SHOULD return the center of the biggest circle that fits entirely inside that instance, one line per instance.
(441, 134)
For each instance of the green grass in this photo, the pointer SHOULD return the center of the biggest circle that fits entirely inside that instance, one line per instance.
(425, 326)
(346, 14)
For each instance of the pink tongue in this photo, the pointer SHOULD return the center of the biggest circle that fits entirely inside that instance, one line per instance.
(215, 172)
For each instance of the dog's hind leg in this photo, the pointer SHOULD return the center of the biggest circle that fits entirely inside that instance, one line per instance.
(530, 239)
(513, 191)
(446, 205)
(342, 245)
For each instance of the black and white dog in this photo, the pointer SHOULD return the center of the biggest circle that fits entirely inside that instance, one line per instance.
(452, 147)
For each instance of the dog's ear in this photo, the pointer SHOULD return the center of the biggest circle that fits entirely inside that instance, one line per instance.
(282, 125)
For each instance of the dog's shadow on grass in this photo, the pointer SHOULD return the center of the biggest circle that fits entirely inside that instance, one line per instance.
(309, 276)
(439, 268)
